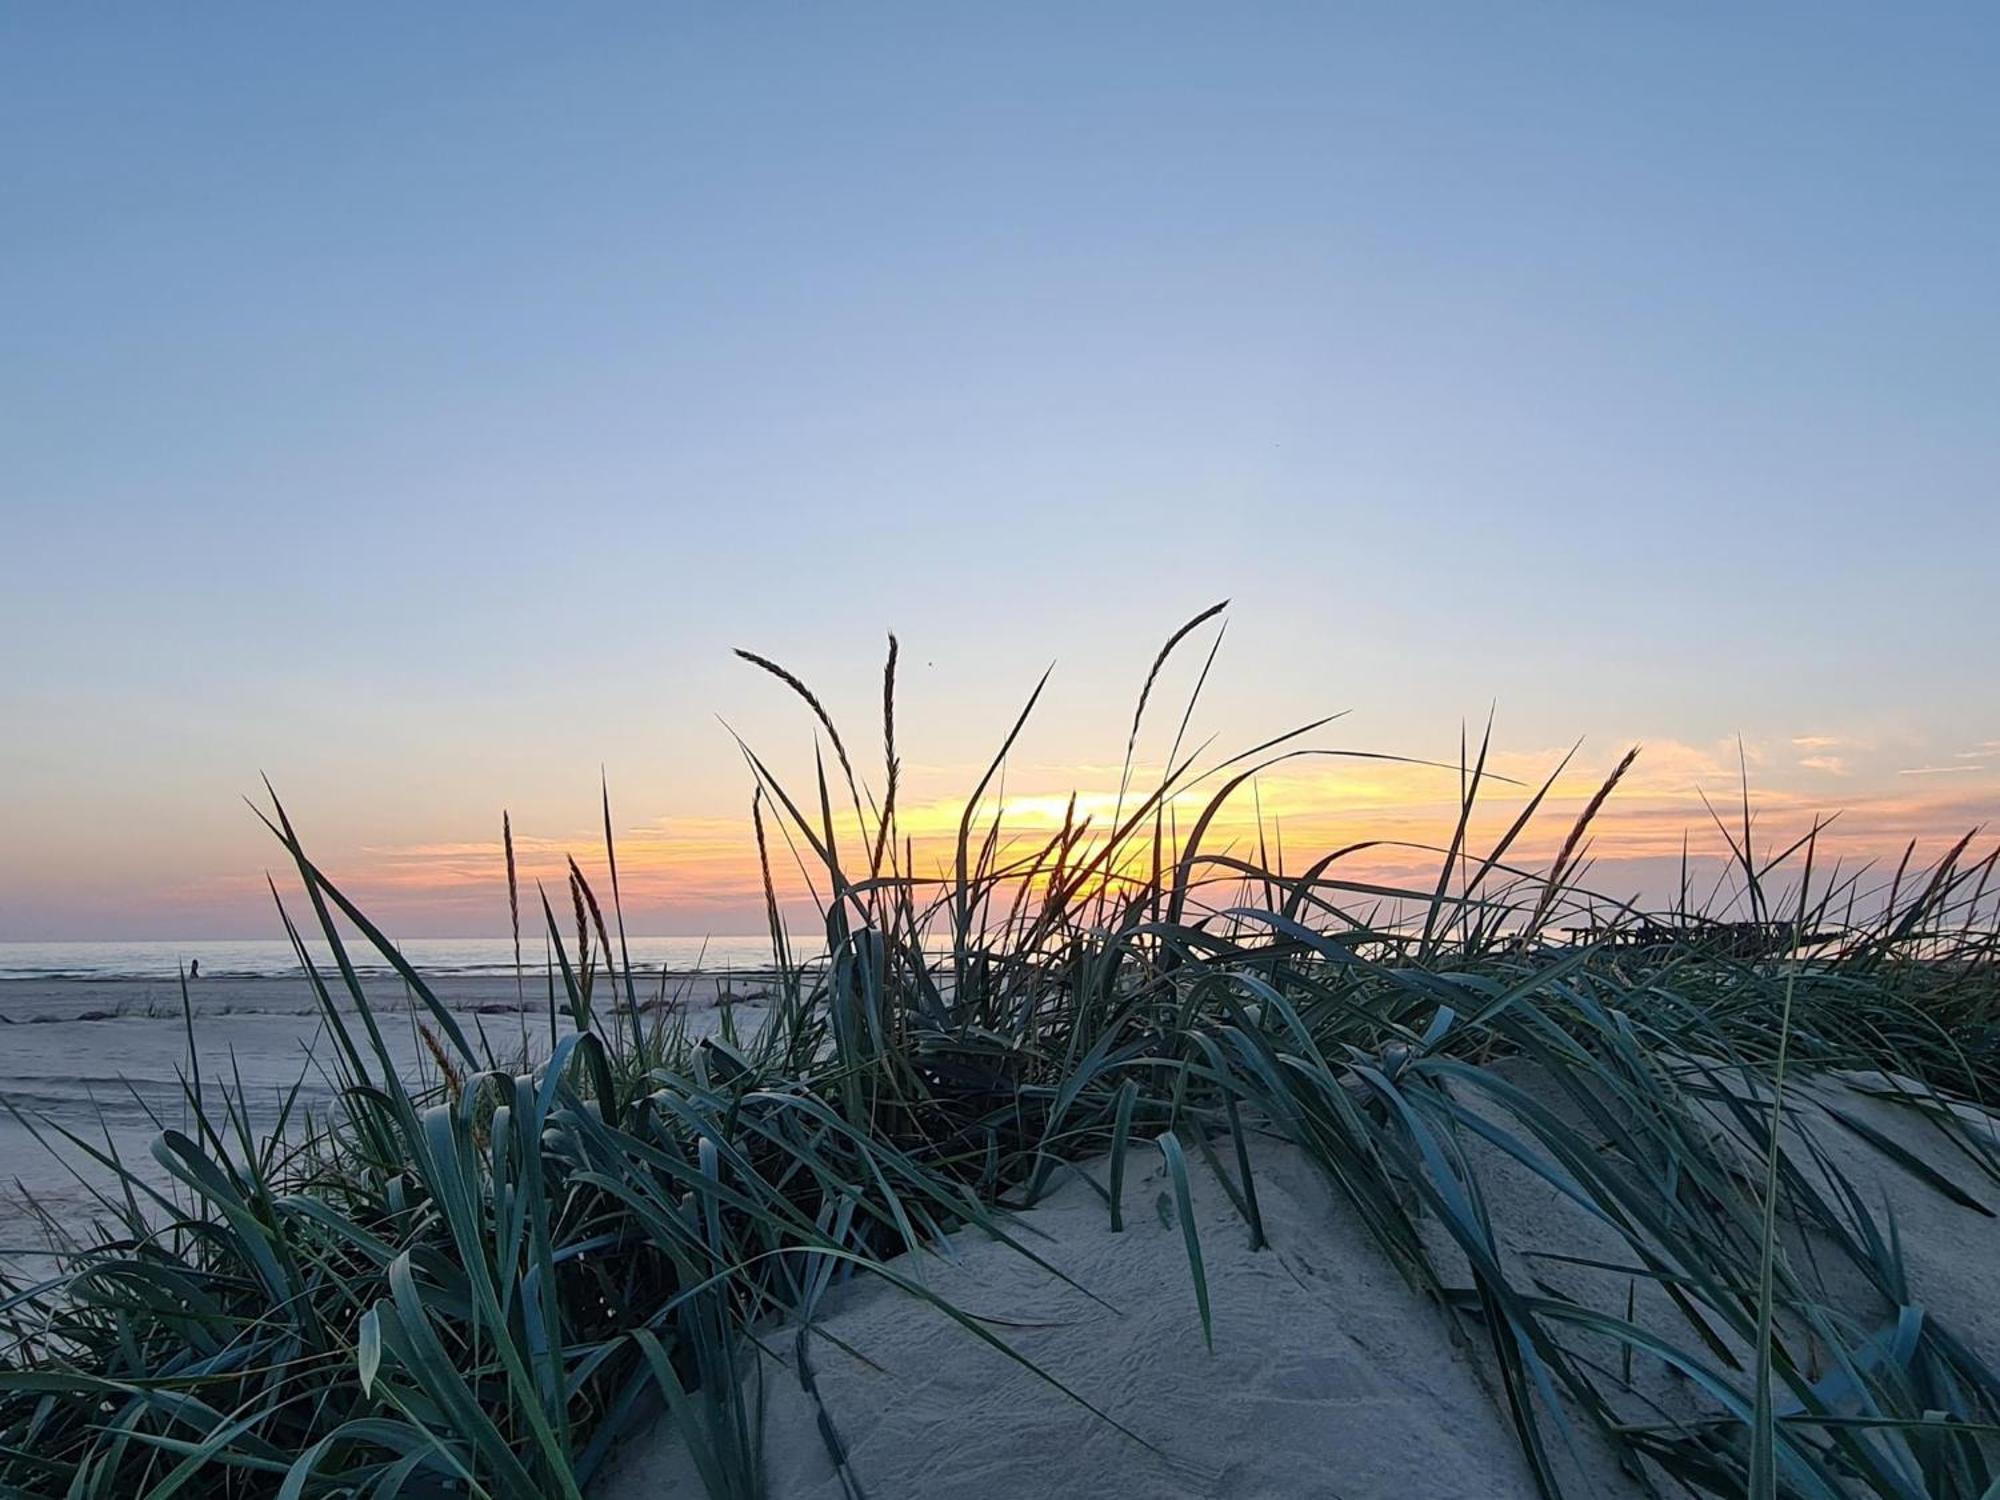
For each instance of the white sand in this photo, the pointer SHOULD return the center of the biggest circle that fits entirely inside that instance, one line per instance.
(104, 1058)
(1330, 1376)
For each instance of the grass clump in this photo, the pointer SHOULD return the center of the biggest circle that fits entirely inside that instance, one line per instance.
(478, 1283)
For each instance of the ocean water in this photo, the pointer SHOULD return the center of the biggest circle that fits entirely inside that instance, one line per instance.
(268, 959)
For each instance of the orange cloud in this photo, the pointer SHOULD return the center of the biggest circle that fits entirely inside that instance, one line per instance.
(680, 872)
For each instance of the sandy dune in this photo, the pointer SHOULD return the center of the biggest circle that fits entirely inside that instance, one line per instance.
(1330, 1376)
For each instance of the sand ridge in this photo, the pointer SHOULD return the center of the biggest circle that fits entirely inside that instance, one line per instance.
(1331, 1375)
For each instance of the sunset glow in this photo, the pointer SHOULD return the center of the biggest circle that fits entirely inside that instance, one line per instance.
(425, 426)
(694, 874)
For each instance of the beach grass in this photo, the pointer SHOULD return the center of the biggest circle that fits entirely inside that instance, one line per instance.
(478, 1281)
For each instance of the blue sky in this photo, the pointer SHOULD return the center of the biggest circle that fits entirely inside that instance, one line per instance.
(418, 406)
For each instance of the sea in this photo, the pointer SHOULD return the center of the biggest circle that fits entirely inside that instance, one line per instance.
(269, 959)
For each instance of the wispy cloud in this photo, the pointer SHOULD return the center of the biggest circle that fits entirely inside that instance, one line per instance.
(700, 872)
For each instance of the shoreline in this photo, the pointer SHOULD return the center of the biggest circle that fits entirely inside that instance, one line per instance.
(78, 998)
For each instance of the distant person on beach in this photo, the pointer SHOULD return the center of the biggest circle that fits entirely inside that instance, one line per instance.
(194, 968)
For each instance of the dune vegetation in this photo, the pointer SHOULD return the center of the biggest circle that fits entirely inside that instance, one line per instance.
(478, 1281)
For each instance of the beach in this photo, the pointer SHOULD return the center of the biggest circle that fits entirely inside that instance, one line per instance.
(105, 1057)
(1328, 1375)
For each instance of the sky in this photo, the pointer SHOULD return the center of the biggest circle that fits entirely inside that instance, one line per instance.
(417, 407)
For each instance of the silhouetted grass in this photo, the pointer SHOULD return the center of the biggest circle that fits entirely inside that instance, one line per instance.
(476, 1284)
